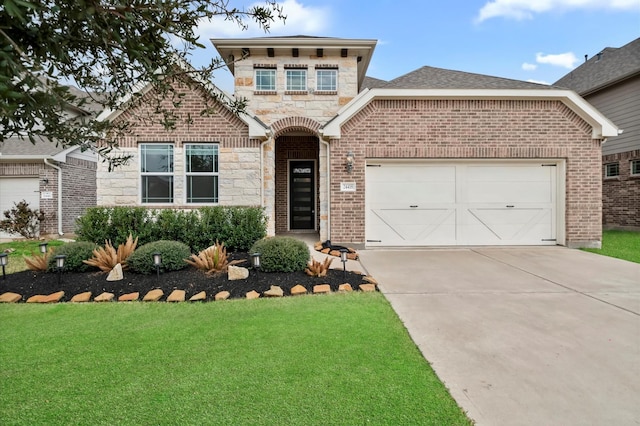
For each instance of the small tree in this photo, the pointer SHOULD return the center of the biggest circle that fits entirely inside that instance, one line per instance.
(22, 220)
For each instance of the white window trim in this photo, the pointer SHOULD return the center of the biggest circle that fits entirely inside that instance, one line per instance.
(286, 79)
(214, 173)
(318, 71)
(631, 162)
(172, 174)
(255, 78)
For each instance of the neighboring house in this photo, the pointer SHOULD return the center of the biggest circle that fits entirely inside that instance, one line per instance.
(610, 81)
(61, 182)
(434, 157)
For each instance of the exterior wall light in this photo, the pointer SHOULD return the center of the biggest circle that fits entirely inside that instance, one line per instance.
(350, 160)
(4, 259)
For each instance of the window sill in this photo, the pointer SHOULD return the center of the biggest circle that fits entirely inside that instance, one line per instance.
(296, 92)
(612, 178)
(265, 92)
(326, 92)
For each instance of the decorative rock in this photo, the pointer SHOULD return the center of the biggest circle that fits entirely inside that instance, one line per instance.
(318, 246)
(298, 290)
(116, 273)
(351, 250)
(237, 273)
(367, 287)
(81, 297)
(352, 256)
(129, 297)
(153, 296)
(370, 279)
(358, 272)
(325, 251)
(176, 296)
(274, 291)
(9, 297)
(346, 287)
(253, 295)
(198, 297)
(104, 297)
(38, 298)
(49, 298)
(223, 295)
(321, 288)
(335, 253)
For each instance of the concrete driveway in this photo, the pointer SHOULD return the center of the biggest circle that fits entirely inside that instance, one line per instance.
(523, 336)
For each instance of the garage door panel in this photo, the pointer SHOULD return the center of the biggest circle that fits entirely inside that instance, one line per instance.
(460, 204)
(413, 227)
(15, 189)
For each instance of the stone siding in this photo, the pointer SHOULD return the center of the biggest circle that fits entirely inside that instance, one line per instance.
(469, 129)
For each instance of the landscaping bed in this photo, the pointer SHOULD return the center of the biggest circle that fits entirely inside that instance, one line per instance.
(191, 280)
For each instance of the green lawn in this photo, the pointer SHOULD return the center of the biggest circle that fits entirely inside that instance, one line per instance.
(621, 244)
(340, 359)
(23, 248)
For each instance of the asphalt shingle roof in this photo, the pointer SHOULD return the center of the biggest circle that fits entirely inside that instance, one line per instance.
(372, 83)
(23, 147)
(609, 66)
(438, 78)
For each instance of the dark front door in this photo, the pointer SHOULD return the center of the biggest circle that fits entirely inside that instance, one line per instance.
(302, 203)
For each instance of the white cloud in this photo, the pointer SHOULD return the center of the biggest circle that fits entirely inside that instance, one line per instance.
(525, 9)
(565, 60)
(300, 20)
(538, 81)
(529, 67)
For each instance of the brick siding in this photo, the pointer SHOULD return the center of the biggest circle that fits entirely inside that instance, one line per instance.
(78, 190)
(469, 129)
(621, 194)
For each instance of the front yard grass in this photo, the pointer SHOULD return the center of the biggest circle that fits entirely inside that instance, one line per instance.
(340, 359)
(23, 248)
(620, 244)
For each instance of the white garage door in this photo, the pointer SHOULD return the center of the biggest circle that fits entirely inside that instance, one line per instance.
(474, 203)
(15, 189)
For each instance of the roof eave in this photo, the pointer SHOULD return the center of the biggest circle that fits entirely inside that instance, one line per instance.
(602, 127)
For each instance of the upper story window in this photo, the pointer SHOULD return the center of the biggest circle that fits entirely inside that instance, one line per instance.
(612, 170)
(635, 167)
(265, 80)
(327, 80)
(201, 170)
(156, 173)
(296, 79)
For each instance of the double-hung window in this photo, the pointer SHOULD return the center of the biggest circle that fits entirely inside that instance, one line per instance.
(201, 169)
(296, 80)
(326, 80)
(635, 167)
(156, 173)
(265, 79)
(611, 170)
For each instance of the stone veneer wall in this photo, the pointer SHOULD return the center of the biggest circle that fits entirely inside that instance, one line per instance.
(239, 156)
(470, 129)
(621, 194)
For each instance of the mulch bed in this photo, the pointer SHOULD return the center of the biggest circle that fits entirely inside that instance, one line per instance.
(193, 281)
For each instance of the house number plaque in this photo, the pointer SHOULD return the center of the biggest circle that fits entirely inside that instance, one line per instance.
(347, 187)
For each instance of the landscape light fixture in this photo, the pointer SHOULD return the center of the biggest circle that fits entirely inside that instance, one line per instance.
(43, 248)
(350, 160)
(157, 261)
(343, 259)
(60, 265)
(4, 259)
(255, 261)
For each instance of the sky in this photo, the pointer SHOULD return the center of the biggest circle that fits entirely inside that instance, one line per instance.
(532, 40)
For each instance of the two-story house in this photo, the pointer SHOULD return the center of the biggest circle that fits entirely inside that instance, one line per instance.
(434, 157)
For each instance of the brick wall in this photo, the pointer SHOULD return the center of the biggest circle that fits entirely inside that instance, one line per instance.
(78, 190)
(471, 129)
(292, 148)
(239, 159)
(621, 194)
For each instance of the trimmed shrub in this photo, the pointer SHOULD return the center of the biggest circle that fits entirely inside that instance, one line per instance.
(282, 254)
(100, 224)
(76, 253)
(173, 255)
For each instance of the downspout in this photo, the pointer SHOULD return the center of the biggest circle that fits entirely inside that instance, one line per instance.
(46, 161)
(321, 139)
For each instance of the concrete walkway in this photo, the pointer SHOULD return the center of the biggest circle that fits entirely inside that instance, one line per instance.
(523, 336)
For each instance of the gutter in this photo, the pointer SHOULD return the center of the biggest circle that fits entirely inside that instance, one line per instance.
(46, 161)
